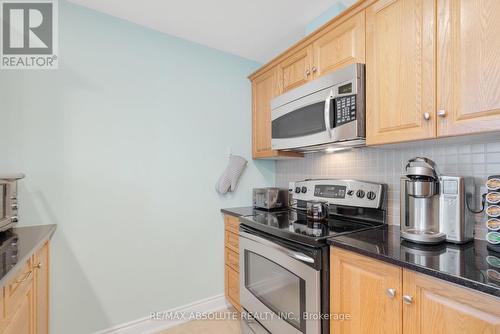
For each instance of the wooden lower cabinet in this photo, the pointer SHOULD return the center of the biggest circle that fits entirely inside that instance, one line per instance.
(418, 303)
(232, 287)
(359, 287)
(232, 261)
(440, 307)
(25, 299)
(41, 269)
(22, 321)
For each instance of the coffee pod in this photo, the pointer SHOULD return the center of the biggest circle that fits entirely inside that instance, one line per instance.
(493, 275)
(493, 238)
(493, 197)
(493, 224)
(493, 184)
(493, 211)
(493, 261)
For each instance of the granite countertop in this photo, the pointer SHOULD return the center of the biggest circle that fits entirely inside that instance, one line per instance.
(240, 211)
(17, 245)
(466, 265)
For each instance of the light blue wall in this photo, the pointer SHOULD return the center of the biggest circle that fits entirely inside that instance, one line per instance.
(122, 147)
(327, 15)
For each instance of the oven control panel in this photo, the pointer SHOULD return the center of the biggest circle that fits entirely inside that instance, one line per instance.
(339, 192)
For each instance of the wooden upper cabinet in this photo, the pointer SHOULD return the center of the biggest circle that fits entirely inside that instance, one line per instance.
(342, 45)
(468, 66)
(264, 89)
(440, 307)
(295, 70)
(400, 71)
(359, 286)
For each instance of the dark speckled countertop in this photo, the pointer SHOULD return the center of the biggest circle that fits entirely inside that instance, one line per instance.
(240, 211)
(471, 265)
(17, 245)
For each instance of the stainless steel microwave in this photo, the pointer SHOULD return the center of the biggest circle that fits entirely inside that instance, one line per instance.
(328, 112)
(8, 200)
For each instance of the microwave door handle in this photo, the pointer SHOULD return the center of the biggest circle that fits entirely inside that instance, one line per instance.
(327, 113)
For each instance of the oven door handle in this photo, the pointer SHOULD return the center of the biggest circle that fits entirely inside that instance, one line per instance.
(327, 113)
(296, 255)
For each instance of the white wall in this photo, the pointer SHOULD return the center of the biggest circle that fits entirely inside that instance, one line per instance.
(122, 147)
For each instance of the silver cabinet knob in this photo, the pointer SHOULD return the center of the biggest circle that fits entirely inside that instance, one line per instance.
(308, 72)
(442, 113)
(14, 206)
(314, 69)
(14, 219)
(391, 293)
(407, 299)
(427, 116)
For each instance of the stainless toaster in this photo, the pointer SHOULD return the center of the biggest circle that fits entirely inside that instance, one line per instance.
(270, 198)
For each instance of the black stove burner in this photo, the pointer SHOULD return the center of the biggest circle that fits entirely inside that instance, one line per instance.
(294, 225)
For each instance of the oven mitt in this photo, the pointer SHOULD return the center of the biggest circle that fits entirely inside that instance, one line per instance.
(229, 179)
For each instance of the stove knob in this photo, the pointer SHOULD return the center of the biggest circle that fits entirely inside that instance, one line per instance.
(297, 190)
(14, 219)
(304, 190)
(360, 193)
(371, 195)
(14, 206)
(350, 192)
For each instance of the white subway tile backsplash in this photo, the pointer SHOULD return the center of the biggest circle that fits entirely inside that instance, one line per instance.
(493, 147)
(461, 156)
(493, 157)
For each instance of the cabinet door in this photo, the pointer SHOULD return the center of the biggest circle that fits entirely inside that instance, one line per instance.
(264, 89)
(341, 46)
(232, 287)
(22, 319)
(359, 287)
(400, 71)
(468, 66)
(441, 307)
(295, 70)
(41, 265)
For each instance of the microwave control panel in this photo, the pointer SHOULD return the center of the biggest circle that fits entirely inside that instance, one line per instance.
(345, 109)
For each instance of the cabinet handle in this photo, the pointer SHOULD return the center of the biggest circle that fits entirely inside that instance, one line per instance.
(308, 73)
(391, 293)
(314, 69)
(407, 299)
(442, 113)
(25, 278)
(38, 265)
(427, 116)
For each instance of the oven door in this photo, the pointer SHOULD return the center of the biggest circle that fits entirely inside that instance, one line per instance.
(303, 122)
(279, 285)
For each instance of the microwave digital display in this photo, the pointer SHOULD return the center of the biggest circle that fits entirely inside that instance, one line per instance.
(329, 191)
(346, 89)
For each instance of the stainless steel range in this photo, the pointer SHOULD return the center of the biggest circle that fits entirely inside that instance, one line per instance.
(284, 275)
